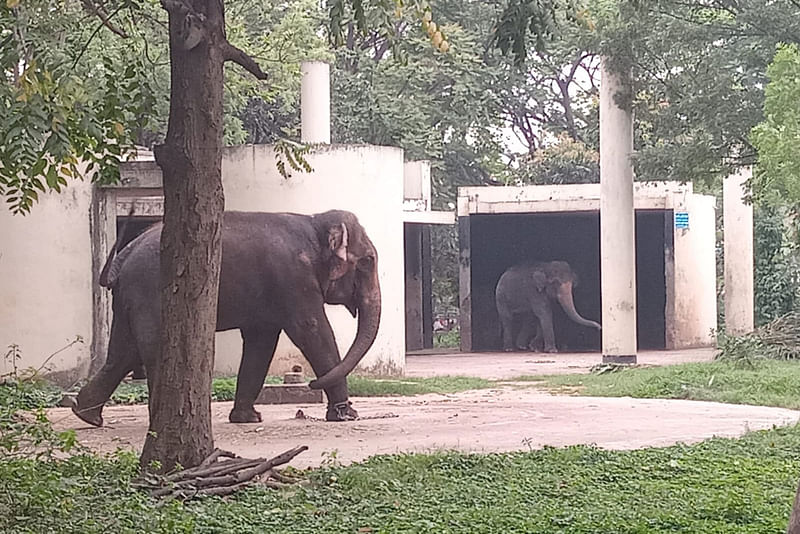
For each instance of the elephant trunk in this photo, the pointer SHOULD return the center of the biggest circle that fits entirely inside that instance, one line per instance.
(369, 317)
(565, 299)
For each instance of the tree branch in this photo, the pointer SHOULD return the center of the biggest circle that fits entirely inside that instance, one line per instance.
(92, 36)
(104, 17)
(238, 56)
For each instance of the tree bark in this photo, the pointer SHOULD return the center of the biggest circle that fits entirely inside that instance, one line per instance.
(190, 160)
(794, 519)
(191, 164)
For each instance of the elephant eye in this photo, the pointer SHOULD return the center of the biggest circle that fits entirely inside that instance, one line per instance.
(365, 263)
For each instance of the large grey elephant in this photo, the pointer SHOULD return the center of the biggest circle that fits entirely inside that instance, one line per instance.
(527, 291)
(278, 270)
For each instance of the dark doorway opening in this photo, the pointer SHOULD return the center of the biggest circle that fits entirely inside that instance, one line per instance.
(498, 241)
(418, 288)
(135, 226)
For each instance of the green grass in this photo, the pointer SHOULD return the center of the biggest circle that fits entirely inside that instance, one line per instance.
(223, 389)
(375, 387)
(766, 383)
(720, 486)
(447, 340)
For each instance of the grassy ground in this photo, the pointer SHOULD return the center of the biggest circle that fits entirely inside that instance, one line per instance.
(372, 387)
(719, 486)
(223, 389)
(766, 383)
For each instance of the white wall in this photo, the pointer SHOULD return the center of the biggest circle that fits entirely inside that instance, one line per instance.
(46, 281)
(46, 257)
(364, 179)
(695, 273)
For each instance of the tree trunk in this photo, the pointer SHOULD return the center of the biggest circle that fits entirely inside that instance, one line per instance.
(190, 160)
(794, 519)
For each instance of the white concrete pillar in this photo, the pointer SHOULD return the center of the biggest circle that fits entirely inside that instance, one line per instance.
(315, 102)
(617, 231)
(738, 235)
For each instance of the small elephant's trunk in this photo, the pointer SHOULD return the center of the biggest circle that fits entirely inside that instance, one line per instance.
(369, 318)
(565, 299)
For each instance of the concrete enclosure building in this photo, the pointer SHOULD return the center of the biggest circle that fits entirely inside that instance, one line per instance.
(675, 259)
(50, 259)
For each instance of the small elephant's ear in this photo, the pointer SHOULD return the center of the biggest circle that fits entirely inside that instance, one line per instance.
(539, 280)
(337, 241)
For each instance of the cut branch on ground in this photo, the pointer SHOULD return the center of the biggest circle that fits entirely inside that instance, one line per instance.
(222, 473)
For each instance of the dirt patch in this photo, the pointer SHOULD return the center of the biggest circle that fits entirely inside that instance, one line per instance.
(502, 419)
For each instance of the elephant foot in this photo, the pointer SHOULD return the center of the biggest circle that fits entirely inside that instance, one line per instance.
(508, 349)
(551, 350)
(93, 416)
(244, 415)
(341, 411)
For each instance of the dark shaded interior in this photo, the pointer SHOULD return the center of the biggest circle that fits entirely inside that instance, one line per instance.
(498, 241)
(418, 286)
(136, 225)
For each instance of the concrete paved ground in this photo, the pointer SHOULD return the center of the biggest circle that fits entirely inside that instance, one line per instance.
(505, 418)
(502, 419)
(504, 365)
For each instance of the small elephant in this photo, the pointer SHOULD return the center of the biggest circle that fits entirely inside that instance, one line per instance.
(527, 291)
(278, 271)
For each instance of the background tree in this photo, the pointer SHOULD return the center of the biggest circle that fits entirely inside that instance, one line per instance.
(68, 104)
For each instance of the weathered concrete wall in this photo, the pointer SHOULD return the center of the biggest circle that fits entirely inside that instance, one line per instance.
(367, 180)
(46, 289)
(695, 275)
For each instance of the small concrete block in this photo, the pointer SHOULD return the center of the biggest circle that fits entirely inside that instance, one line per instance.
(293, 378)
(624, 359)
(289, 394)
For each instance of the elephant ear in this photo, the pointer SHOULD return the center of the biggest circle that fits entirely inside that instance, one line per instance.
(539, 280)
(337, 241)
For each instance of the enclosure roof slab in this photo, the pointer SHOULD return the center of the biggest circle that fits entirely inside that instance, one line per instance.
(429, 217)
(562, 198)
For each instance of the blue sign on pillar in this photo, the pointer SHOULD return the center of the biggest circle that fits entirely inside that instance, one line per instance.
(682, 220)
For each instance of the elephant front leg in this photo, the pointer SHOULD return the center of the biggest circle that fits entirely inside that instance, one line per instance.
(527, 330)
(314, 337)
(537, 343)
(548, 334)
(544, 313)
(257, 351)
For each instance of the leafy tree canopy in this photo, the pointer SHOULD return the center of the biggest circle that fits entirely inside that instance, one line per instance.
(777, 138)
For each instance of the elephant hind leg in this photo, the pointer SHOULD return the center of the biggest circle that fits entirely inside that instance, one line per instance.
(121, 359)
(506, 328)
(258, 347)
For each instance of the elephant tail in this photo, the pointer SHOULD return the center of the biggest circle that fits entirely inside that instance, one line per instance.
(110, 272)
